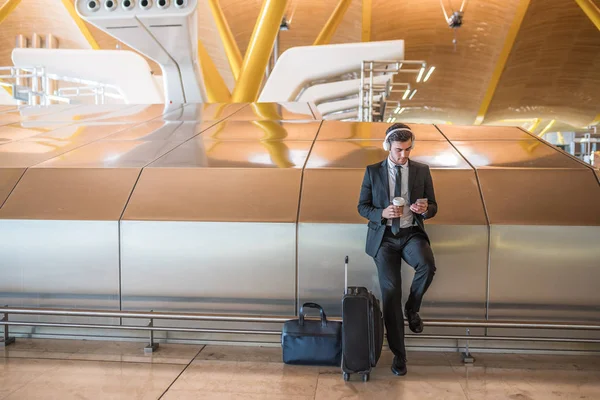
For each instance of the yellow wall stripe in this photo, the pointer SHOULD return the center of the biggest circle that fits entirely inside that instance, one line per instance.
(502, 58)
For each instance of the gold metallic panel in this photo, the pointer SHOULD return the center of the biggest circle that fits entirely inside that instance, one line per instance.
(339, 130)
(16, 131)
(457, 132)
(204, 112)
(70, 194)
(514, 154)
(237, 154)
(8, 179)
(597, 171)
(262, 130)
(215, 194)
(85, 133)
(331, 196)
(274, 112)
(29, 152)
(157, 129)
(541, 196)
(360, 153)
(112, 154)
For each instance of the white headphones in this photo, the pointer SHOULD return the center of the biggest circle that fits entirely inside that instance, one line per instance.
(387, 146)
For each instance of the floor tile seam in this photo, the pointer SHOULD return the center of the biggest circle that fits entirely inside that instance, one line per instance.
(181, 372)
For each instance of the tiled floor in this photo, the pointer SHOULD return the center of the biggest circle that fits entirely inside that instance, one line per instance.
(69, 369)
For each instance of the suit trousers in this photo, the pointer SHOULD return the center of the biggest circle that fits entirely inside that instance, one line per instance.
(411, 245)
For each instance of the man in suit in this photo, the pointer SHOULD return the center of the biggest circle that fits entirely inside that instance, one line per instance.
(395, 233)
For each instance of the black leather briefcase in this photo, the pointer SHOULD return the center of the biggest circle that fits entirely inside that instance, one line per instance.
(312, 342)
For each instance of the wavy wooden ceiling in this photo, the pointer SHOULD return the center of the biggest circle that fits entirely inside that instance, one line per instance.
(553, 71)
(456, 88)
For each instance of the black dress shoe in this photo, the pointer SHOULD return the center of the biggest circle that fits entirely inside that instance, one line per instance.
(399, 366)
(415, 323)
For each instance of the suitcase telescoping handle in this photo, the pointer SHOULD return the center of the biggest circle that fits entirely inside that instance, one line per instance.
(312, 305)
(346, 276)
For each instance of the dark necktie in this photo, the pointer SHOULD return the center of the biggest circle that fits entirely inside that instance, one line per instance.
(397, 193)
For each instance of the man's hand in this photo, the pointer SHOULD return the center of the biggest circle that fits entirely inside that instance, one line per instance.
(419, 208)
(392, 211)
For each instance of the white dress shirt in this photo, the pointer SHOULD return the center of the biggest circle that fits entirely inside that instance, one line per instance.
(407, 218)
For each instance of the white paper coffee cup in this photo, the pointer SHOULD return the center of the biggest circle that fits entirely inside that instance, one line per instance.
(398, 201)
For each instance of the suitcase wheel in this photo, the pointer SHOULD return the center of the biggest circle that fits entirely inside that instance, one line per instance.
(365, 378)
(346, 376)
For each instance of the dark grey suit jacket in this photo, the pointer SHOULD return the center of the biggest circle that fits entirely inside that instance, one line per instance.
(374, 198)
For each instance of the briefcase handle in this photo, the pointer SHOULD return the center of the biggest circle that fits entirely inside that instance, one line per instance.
(312, 305)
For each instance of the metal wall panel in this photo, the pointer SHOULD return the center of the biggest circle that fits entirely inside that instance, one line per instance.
(70, 264)
(360, 153)
(274, 112)
(203, 112)
(545, 272)
(214, 194)
(209, 266)
(70, 194)
(457, 132)
(458, 290)
(530, 153)
(541, 196)
(120, 154)
(263, 130)
(8, 179)
(18, 131)
(339, 130)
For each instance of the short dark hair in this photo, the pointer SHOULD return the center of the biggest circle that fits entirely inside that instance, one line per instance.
(401, 136)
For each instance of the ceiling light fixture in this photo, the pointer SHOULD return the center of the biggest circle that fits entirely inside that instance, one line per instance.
(420, 74)
(406, 93)
(412, 94)
(431, 69)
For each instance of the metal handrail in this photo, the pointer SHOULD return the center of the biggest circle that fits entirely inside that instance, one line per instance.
(475, 323)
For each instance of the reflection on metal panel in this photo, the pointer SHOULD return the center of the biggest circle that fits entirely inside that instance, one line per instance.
(156, 130)
(204, 112)
(29, 152)
(33, 112)
(216, 267)
(514, 154)
(338, 130)
(332, 196)
(244, 195)
(71, 264)
(84, 133)
(8, 179)
(200, 153)
(360, 153)
(70, 194)
(14, 132)
(597, 171)
(457, 132)
(262, 130)
(112, 154)
(274, 112)
(458, 290)
(545, 272)
(540, 196)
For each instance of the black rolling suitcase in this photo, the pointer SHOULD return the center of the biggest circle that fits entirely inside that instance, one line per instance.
(362, 330)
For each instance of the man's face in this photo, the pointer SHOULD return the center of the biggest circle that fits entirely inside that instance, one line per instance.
(400, 151)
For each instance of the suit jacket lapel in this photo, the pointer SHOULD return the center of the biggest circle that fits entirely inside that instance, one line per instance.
(412, 177)
(384, 175)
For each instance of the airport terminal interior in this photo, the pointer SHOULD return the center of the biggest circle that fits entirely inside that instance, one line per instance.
(178, 177)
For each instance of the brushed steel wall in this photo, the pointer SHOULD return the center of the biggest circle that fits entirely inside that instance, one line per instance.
(251, 209)
(209, 266)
